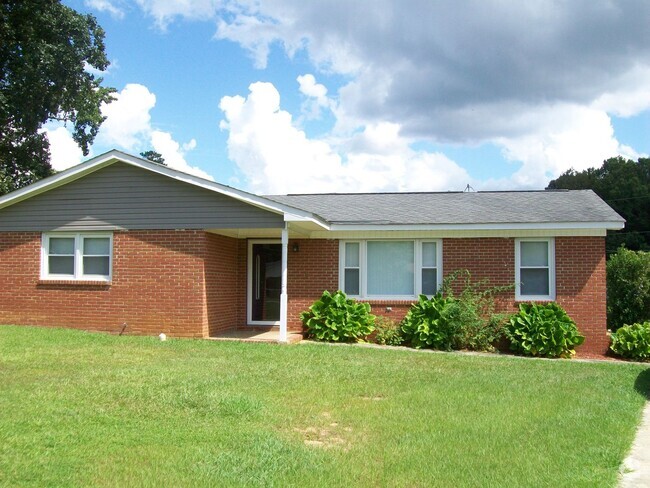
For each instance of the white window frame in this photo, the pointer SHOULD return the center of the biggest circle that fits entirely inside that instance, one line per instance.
(551, 269)
(78, 256)
(363, 267)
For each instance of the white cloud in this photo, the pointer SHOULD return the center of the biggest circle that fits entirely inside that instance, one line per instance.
(566, 137)
(114, 7)
(630, 97)
(316, 96)
(165, 11)
(127, 127)
(128, 121)
(64, 151)
(523, 75)
(174, 153)
(276, 157)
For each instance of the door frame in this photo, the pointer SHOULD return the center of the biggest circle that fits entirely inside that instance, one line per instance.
(249, 284)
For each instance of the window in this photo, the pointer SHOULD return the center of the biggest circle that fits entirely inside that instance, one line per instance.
(429, 268)
(351, 272)
(535, 269)
(77, 256)
(390, 268)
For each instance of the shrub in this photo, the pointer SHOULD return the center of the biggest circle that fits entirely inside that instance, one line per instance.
(427, 323)
(475, 324)
(336, 318)
(628, 288)
(543, 330)
(389, 332)
(632, 341)
(462, 319)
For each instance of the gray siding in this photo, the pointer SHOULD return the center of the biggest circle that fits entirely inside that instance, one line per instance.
(121, 196)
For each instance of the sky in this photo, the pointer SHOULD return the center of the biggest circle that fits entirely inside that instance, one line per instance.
(281, 96)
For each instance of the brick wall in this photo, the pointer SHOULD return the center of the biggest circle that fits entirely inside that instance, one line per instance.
(313, 269)
(157, 286)
(225, 275)
(582, 289)
(580, 278)
(192, 283)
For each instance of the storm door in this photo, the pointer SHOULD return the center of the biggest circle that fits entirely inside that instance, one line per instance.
(264, 282)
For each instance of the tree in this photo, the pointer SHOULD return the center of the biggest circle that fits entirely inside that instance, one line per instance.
(46, 53)
(628, 288)
(154, 156)
(625, 185)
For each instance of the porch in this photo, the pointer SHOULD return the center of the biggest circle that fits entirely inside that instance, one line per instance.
(255, 334)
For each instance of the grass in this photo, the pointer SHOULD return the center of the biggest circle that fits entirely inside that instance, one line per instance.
(91, 409)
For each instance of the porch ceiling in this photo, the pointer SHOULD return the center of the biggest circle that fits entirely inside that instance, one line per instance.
(297, 230)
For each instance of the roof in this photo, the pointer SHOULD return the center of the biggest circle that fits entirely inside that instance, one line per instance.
(114, 156)
(347, 211)
(503, 207)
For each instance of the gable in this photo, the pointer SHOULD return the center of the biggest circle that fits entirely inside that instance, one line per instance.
(123, 196)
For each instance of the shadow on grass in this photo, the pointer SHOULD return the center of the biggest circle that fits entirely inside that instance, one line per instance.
(642, 383)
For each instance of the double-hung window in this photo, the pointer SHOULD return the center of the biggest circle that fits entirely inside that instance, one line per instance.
(81, 256)
(535, 269)
(390, 268)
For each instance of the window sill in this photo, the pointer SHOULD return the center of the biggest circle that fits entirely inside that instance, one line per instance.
(534, 299)
(72, 283)
(387, 301)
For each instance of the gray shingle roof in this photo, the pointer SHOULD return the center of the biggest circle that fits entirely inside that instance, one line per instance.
(558, 206)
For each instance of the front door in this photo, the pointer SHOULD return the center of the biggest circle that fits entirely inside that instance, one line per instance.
(265, 282)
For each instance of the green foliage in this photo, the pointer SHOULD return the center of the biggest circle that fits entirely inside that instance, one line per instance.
(47, 51)
(625, 185)
(154, 157)
(628, 288)
(632, 341)
(476, 325)
(336, 318)
(427, 323)
(461, 317)
(389, 332)
(543, 330)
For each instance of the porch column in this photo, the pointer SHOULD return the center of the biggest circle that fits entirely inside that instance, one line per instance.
(283, 293)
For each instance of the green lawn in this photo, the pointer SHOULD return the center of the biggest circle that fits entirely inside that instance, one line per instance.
(82, 409)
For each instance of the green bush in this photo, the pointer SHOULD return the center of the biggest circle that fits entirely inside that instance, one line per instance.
(460, 317)
(543, 330)
(475, 324)
(389, 332)
(427, 323)
(628, 288)
(632, 341)
(336, 318)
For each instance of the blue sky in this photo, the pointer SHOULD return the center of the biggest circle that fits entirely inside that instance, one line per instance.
(278, 96)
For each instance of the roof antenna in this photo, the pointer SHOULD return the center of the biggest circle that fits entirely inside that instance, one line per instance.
(468, 188)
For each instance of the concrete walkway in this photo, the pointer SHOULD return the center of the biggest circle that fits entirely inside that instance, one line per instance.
(636, 467)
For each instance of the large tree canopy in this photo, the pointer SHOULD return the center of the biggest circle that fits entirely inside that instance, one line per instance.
(625, 185)
(46, 50)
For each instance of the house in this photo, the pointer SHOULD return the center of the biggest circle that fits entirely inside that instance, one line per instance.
(121, 242)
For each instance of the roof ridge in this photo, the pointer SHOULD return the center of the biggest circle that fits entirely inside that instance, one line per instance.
(448, 192)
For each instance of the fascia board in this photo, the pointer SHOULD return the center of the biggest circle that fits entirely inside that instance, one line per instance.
(608, 225)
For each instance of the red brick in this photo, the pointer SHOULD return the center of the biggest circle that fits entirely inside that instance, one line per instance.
(193, 283)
